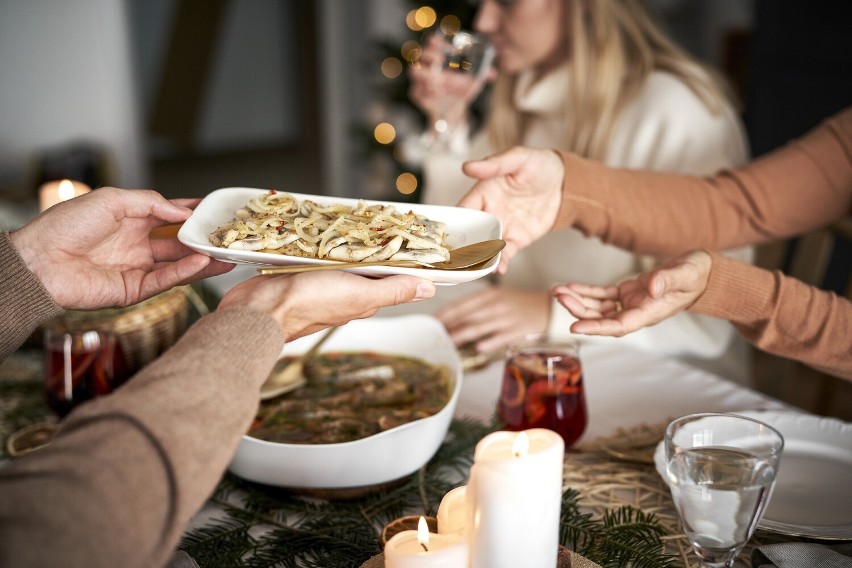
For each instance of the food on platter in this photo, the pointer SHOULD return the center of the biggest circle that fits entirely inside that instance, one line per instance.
(277, 222)
(353, 395)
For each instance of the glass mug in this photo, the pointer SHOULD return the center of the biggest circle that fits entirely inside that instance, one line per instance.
(543, 387)
(80, 365)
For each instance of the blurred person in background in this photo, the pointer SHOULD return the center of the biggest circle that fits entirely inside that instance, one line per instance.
(601, 79)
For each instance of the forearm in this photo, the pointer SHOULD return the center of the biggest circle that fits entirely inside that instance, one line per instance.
(24, 303)
(133, 467)
(667, 214)
(781, 315)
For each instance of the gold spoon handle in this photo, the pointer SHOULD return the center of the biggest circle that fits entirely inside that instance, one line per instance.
(339, 266)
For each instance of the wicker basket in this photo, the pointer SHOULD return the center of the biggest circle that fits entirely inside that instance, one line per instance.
(146, 329)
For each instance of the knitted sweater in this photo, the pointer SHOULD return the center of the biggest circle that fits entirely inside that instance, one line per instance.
(125, 472)
(796, 189)
(665, 127)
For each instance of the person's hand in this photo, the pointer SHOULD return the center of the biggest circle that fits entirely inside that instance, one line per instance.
(496, 317)
(523, 188)
(439, 94)
(311, 301)
(94, 251)
(648, 299)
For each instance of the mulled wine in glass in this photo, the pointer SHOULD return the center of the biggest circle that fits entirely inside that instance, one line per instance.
(543, 388)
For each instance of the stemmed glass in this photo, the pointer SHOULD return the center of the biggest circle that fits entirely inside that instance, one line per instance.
(459, 65)
(721, 469)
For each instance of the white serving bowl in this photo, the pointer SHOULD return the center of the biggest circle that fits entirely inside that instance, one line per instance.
(377, 459)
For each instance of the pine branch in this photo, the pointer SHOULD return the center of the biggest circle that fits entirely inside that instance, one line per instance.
(299, 531)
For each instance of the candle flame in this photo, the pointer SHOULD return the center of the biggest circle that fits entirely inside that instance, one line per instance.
(66, 190)
(521, 445)
(423, 532)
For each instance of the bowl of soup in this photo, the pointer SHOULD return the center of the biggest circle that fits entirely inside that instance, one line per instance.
(377, 404)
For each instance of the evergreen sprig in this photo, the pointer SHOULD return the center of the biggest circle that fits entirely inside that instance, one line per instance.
(294, 530)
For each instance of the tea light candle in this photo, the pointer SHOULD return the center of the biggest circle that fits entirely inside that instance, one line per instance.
(514, 499)
(422, 549)
(452, 517)
(53, 192)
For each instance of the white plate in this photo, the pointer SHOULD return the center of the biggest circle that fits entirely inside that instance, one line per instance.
(813, 492)
(464, 226)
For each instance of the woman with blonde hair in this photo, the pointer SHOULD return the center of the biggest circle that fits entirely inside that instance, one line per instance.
(598, 78)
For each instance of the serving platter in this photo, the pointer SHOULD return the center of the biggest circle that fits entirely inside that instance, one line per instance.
(813, 494)
(464, 227)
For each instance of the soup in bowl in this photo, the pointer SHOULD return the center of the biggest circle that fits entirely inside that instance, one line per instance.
(379, 400)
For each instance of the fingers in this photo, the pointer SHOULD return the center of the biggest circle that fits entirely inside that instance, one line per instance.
(498, 164)
(608, 327)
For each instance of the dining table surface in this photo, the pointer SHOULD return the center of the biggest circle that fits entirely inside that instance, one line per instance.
(626, 388)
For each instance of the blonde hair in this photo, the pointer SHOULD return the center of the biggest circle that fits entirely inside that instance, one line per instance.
(613, 46)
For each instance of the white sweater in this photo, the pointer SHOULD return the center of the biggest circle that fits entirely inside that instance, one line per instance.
(665, 128)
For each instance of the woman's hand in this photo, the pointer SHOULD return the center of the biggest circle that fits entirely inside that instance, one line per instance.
(523, 188)
(640, 302)
(95, 251)
(496, 317)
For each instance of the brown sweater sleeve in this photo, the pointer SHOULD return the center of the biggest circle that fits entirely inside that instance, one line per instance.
(127, 471)
(781, 315)
(798, 188)
(24, 303)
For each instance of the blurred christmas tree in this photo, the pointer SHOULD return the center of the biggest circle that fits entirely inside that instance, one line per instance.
(393, 118)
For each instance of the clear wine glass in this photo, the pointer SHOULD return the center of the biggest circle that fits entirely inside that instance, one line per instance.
(459, 69)
(721, 469)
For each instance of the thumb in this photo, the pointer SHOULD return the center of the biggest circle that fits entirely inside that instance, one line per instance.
(499, 164)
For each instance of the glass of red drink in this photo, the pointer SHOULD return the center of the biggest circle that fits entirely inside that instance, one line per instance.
(80, 365)
(543, 388)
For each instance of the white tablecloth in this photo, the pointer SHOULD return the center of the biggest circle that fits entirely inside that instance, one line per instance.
(625, 387)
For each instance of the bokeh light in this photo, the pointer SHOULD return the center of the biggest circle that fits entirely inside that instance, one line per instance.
(450, 25)
(411, 50)
(411, 21)
(406, 183)
(384, 133)
(425, 17)
(391, 67)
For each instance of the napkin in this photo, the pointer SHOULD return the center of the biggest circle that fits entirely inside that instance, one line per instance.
(799, 554)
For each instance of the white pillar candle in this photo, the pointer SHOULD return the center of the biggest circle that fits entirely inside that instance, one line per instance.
(514, 498)
(52, 192)
(452, 512)
(422, 549)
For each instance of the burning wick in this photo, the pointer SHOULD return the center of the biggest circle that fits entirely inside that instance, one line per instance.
(521, 445)
(423, 533)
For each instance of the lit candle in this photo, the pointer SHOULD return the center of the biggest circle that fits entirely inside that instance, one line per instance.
(452, 512)
(514, 498)
(53, 192)
(422, 549)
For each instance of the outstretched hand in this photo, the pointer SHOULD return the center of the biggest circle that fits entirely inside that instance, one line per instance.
(495, 317)
(523, 188)
(311, 301)
(95, 251)
(640, 302)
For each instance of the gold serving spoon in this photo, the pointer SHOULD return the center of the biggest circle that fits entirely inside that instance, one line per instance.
(468, 256)
(288, 375)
